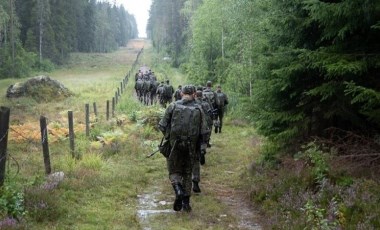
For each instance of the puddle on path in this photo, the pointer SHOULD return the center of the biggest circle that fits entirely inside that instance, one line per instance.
(149, 204)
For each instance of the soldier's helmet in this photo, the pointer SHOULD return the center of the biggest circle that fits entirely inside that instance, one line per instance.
(209, 84)
(188, 89)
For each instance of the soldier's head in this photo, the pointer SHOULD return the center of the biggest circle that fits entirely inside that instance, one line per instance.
(180, 87)
(188, 90)
(219, 88)
(167, 81)
(198, 94)
(209, 84)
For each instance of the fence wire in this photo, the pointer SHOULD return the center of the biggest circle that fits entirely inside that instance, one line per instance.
(30, 140)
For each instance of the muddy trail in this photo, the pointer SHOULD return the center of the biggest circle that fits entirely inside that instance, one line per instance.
(229, 202)
(151, 204)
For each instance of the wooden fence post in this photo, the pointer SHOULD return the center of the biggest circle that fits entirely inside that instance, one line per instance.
(121, 87)
(45, 144)
(113, 107)
(71, 133)
(95, 111)
(87, 108)
(116, 95)
(4, 127)
(108, 110)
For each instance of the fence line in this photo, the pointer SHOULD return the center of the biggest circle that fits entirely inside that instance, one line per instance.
(5, 130)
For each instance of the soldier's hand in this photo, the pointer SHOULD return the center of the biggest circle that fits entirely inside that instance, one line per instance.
(202, 160)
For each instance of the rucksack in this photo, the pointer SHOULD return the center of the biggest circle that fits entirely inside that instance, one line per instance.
(146, 85)
(177, 94)
(139, 84)
(209, 96)
(185, 122)
(168, 93)
(220, 100)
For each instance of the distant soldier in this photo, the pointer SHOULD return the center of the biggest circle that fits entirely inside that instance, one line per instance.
(153, 77)
(177, 94)
(183, 125)
(160, 93)
(138, 75)
(209, 95)
(168, 93)
(221, 102)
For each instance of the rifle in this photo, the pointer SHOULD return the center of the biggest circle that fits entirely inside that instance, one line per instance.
(160, 145)
(150, 155)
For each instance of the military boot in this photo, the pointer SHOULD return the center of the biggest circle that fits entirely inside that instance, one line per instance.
(177, 206)
(216, 129)
(186, 204)
(220, 129)
(196, 188)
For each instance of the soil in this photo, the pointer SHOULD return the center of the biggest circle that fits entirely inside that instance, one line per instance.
(239, 205)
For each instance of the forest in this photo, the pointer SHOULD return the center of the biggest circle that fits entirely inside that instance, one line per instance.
(302, 66)
(307, 76)
(36, 35)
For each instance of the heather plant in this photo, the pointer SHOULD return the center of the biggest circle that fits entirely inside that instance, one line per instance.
(42, 204)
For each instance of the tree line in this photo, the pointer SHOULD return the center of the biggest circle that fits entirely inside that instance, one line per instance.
(301, 66)
(36, 34)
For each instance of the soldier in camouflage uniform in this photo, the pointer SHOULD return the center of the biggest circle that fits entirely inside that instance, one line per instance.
(185, 126)
(221, 103)
(177, 93)
(196, 168)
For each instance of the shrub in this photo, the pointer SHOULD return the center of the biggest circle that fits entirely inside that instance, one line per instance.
(11, 202)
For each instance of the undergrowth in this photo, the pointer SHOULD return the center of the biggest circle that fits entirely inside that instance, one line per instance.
(306, 192)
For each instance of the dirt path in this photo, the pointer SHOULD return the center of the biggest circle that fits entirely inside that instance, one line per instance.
(155, 203)
(239, 205)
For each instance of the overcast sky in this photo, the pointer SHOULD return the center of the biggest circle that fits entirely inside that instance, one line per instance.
(140, 9)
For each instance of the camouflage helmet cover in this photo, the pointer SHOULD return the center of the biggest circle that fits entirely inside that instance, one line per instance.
(188, 89)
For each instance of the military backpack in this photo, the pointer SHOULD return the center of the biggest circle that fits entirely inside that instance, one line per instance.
(167, 92)
(209, 96)
(185, 122)
(220, 99)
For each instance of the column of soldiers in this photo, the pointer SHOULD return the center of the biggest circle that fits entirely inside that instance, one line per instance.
(149, 90)
(187, 124)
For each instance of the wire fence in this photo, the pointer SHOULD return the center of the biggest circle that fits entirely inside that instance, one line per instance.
(31, 139)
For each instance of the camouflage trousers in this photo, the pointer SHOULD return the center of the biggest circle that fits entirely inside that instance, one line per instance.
(219, 118)
(196, 172)
(180, 165)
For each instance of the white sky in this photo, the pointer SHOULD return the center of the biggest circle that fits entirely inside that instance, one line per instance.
(140, 9)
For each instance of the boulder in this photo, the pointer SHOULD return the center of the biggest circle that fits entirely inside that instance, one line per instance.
(41, 88)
